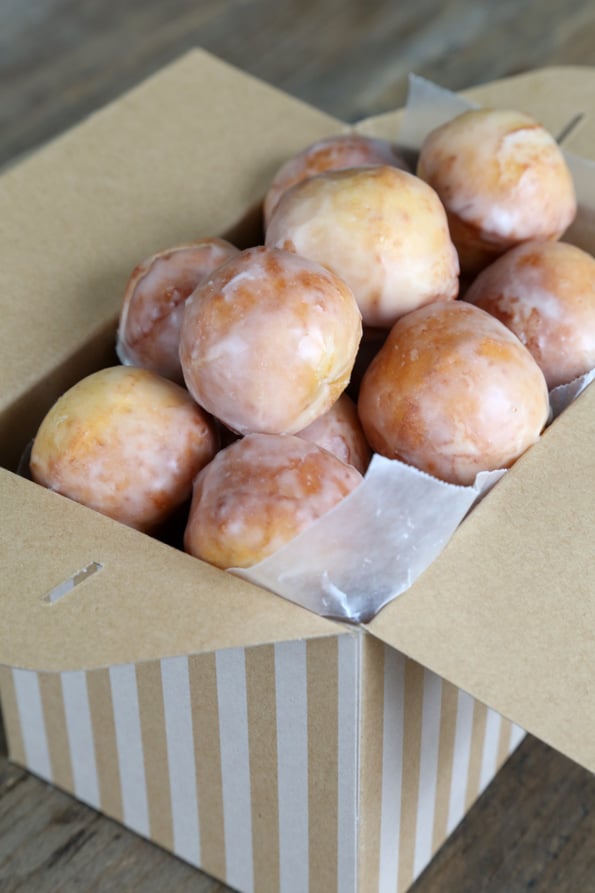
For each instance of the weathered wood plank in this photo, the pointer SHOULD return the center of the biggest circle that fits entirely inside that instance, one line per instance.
(59, 59)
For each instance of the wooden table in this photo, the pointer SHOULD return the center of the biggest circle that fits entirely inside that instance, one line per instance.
(534, 828)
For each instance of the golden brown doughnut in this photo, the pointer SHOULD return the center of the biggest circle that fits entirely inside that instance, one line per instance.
(453, 392)
(124, 442)
(258, 494)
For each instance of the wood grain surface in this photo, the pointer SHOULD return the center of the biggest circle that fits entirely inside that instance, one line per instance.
(534, 828)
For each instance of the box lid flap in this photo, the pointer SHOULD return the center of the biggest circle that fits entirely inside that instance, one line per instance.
(189, 153)
(507, 612)
(556, 96)
(121, 611)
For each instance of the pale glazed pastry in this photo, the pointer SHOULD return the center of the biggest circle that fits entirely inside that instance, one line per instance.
(153, 305)
(340, 432)
(545, 293)
(453, 392)
(258, 494)
(126, 443)
(383, 230)
(330, 154)
(269, 341)
(503, 180)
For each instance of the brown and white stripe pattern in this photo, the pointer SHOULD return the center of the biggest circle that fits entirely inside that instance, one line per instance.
(440, 749)
(246, 762)
(242, 761)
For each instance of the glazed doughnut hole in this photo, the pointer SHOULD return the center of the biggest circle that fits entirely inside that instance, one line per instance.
(453, 392)
(126, 443)
(330, 154)
(258, 494)
(340, 432)
(269, 342)
(503, 180)
(544, 292)
(153, 305)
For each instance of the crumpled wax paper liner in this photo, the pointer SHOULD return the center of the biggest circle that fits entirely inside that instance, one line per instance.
(375, 543)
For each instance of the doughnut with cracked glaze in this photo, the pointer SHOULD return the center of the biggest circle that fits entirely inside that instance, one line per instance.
(153, 305)
(453, 392)
(340, 432)
(258, 494)
(503, 180)
(331, 154)
(269, 341)
(126, 443)
(544, 292)
(383, 230)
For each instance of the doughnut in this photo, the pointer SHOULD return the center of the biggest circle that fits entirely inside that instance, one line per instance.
(453, 392)
(544, 292)
(153, 305)
(331, 154)
(269, 341)
(383, 230)
(125, 442)
(340, 432)
(503, 180)
(258, 494)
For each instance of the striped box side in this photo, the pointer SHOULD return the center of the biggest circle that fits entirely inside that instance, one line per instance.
(243, 762)
(428, 751)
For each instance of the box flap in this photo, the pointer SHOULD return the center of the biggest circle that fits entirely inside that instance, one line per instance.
(507, 612)
(189, 153)
(123, 611)
(555, 96)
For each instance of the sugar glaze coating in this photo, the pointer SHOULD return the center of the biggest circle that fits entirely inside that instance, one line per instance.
(453, 392)
(383, 230)
(330, 154)
(269, 342)
(340, 432)
(124, 442)
(153, 304)
(258, 494)
(503, 180)
(544, 292)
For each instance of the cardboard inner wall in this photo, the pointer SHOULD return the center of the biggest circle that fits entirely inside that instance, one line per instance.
(187, 154)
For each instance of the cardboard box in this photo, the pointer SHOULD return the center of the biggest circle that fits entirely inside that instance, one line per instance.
(275, 749)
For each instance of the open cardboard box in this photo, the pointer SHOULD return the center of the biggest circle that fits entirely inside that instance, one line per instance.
(276, 749)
